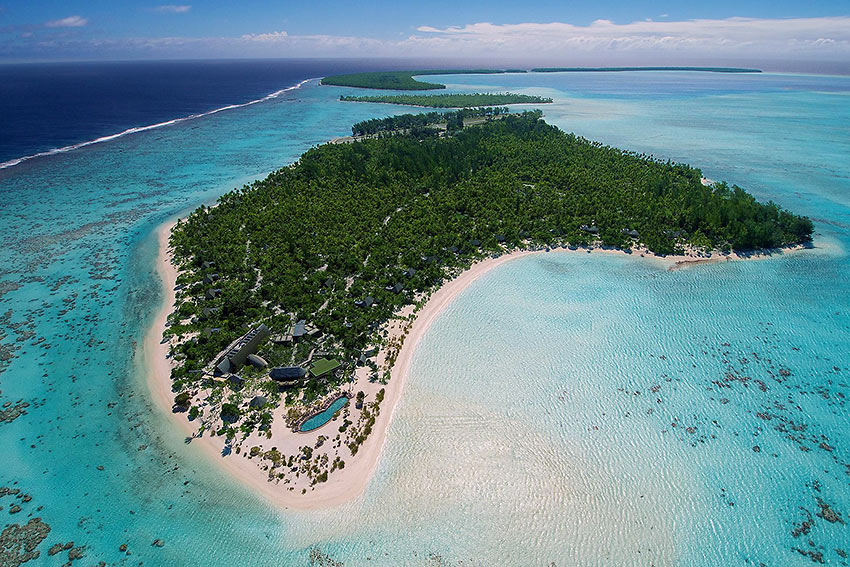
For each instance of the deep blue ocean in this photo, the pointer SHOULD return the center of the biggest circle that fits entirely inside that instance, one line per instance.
(567, 409)
(55, 105)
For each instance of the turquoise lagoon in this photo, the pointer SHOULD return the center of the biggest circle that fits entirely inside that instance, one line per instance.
(567, 409)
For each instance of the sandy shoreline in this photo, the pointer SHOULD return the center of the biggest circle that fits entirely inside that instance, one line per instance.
(351, 482)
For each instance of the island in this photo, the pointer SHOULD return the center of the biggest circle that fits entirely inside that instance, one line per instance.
(401, 80)
(298, 300)
(622, 69)
(454, 100)
(404, 80)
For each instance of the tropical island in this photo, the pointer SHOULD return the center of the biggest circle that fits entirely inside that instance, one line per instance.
(453, 100)
(622, 69)
(404, 80)
(296, 299)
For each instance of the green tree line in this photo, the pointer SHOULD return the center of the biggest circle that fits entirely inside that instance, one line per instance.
(351, 221)
(452, 100)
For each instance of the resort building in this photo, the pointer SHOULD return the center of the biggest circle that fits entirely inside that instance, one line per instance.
(298, 331)
(256, 361)
(323, 367)
(287, 373)
(237, 353)
(208, 312)
(288, 376)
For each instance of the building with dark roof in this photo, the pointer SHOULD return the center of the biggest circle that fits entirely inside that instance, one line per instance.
(288, 373)
(299, 329)
(207, 312)
(237, 353)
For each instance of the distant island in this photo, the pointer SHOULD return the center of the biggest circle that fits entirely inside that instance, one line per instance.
(403, 80)
(294, 296)
(621, 69)
(460, 100)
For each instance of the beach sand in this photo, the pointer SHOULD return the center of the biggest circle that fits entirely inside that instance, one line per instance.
(349, 483)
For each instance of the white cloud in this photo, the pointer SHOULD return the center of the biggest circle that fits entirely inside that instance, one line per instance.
(601, 42)
(173, 9)
(266, 37)
(69, 22)
(732, 36)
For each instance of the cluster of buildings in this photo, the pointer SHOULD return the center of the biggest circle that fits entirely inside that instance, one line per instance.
(243, 351)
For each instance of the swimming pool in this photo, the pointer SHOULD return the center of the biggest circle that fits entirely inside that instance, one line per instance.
(321, 418)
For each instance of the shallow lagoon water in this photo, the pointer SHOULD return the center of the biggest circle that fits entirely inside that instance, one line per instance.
(568, 408)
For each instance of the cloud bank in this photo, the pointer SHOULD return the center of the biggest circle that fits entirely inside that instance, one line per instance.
(601, 41)
(727, 37)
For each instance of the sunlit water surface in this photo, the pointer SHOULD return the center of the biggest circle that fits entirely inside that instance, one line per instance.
(568, 408)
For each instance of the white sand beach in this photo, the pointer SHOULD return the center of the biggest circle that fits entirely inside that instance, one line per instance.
(349, 483)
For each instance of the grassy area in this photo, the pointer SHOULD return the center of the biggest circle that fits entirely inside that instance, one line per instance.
(615, 69)
(402, 80)
(467, 100)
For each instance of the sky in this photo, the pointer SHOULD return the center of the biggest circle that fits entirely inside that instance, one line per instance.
(551, 31)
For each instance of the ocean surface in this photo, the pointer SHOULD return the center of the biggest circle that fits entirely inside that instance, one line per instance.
(568, 409)
(54, 107)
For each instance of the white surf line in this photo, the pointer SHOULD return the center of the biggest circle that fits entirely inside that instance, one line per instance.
(65, 149)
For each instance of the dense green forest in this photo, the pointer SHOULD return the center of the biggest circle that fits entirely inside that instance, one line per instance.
(418, 124)
(453, 100)
(391, 218)
(614, 69)
(403, 80)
